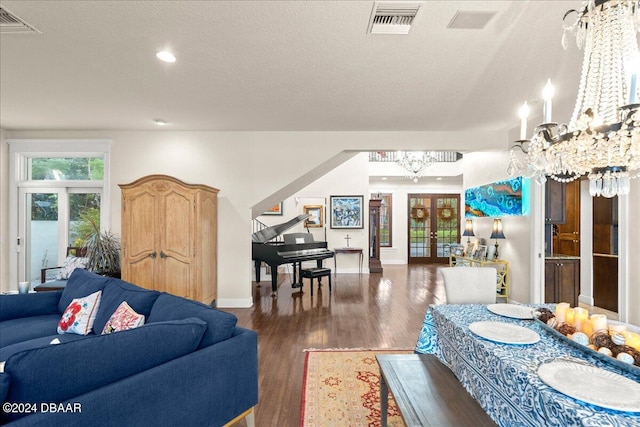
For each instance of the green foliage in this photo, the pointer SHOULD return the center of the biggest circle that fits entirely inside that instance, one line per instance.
(103, 253)
(71, 168)
(88, 224)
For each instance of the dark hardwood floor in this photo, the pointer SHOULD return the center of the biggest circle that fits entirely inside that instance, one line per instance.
(363, 311)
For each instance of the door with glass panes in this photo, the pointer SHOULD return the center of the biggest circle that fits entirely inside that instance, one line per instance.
(432, 227)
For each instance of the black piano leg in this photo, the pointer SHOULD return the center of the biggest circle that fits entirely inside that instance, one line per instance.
(258, 263)
(274, 280)
(295, 283)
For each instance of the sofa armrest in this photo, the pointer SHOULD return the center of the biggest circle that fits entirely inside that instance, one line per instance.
(14, 306)
(210, 386)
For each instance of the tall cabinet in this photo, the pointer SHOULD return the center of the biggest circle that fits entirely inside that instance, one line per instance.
(169, 237)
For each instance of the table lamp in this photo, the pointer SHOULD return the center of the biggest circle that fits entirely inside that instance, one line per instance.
(468, 230)
(497, 233)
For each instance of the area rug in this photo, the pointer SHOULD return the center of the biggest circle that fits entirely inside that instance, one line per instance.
(341, 388)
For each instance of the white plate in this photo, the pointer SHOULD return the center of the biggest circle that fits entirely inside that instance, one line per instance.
(505, 333)
(511, 310)
(592, 385)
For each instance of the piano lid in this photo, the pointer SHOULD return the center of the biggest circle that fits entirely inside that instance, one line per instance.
(266, 234)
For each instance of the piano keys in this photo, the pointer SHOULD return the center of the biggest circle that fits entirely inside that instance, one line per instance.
(296, 248)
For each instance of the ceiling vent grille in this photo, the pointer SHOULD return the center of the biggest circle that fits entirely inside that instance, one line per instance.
(392, 18)
(10, 23)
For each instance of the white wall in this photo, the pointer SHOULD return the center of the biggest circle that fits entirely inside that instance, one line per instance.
(485, 168)
(633, 266)
(4, 215)
(248, 168)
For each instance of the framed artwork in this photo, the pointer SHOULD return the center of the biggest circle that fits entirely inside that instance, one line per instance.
(480, 253)
(347, 212)
(275, 210)
(457, 250)
(471, 247)
(316, 218)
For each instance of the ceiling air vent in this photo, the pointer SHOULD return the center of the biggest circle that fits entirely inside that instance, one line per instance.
(392, 18)
(10, 23)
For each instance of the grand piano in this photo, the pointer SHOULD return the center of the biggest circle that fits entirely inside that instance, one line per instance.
(295, 248)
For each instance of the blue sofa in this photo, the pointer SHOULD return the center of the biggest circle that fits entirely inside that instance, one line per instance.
(188, 365)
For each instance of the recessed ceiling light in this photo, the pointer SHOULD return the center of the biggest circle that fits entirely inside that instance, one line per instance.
(439, 178)
(166, 56)
(160, 122)
(384, 178)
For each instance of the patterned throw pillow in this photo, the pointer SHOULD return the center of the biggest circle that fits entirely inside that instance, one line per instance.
(79, 316)
(70, 264)
(122, 319)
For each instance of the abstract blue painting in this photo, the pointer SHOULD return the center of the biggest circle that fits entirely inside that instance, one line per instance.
(501, 198)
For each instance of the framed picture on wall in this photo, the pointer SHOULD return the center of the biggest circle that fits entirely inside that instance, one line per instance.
(347, 212)
(316, 218)
(275, 210)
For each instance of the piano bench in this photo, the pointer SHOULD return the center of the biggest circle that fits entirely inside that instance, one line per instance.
(312, 273)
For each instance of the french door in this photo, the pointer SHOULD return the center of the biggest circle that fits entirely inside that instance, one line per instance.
(49, 220)
(432, 227)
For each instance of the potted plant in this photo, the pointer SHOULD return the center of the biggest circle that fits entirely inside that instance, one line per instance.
(103, 253)
(102, 248)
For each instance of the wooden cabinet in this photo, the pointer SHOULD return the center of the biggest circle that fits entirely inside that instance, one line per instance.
(567, 238)
(169, 237)
(375, 266)
(554, 201)
(562, 280)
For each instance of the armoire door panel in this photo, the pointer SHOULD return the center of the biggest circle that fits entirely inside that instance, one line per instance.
(177, 276)
(140, 211)
(142, 272)
(177, 225)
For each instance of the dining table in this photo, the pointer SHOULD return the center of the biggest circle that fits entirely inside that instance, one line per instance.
(505, 378)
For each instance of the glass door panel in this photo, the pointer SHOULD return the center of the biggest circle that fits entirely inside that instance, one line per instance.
(433, 226)
(84, 217)
(40, 231)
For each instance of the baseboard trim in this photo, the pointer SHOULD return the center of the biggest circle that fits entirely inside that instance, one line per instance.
(235, 303)
(586, 300)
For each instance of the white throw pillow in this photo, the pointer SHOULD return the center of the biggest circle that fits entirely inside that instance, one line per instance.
(79, 316)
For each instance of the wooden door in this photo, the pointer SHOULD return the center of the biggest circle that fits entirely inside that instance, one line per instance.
(567, 239)
(433, 226)
(177, 232)
(140, 247)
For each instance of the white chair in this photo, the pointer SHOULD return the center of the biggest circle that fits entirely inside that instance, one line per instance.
(470, 285)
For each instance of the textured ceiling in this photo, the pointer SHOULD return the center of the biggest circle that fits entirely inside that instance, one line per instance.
(278, 65)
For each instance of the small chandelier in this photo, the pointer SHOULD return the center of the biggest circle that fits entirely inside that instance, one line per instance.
(415, 162)
(602, 138)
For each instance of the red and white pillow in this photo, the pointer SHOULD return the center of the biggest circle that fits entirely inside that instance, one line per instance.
(122, 319)
(79, 316)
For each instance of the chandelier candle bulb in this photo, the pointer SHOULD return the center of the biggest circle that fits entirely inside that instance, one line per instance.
(547, 95)
(523, 112)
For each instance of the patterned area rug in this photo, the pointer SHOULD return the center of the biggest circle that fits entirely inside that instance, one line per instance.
(341, 388)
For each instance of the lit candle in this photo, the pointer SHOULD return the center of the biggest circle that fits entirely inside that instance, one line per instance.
(561, 311)
(581, 314)
(586, 326)
(523, 112)
(570, 316)
(547, 95)
(598, 322)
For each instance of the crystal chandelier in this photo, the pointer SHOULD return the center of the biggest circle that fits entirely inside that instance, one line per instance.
(602, 138)
(415, 162)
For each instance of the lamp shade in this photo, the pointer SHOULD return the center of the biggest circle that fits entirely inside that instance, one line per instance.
(497, 233)
(468, 228)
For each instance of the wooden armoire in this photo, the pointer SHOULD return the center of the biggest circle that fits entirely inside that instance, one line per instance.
(169, 237)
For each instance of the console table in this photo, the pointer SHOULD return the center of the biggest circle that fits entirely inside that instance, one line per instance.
(502, 270)
(349, 251)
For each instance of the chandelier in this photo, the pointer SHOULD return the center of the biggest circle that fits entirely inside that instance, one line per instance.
(415, 162)
(601, 140)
